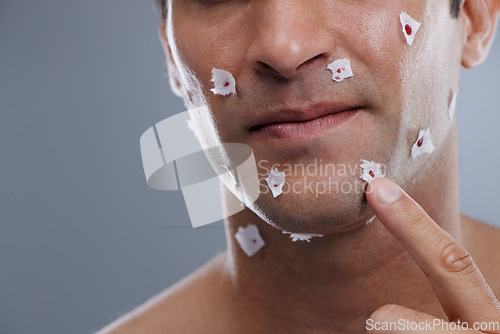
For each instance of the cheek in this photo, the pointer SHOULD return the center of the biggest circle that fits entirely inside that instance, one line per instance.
(191, 52)
(204, 44)
(380, 48)
(379, 51)
(379, 42)
(430, 70)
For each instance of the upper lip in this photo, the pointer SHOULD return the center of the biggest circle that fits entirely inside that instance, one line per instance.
(295, 115)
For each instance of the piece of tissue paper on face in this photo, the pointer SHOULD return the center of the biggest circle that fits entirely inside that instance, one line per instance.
(371, 171)
(302, 236)
(224, 82)
(410, 27)
(423, 144)
(453, 106)
(249, 239)
(341, 69)
(276, 180)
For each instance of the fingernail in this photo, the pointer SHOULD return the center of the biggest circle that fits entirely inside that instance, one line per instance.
(388, 193)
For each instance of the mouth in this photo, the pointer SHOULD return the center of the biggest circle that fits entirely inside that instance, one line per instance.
(305, 123)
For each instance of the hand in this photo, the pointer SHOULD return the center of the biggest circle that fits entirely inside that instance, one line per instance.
(456, 280)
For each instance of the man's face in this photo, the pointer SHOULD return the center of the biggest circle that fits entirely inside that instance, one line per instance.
(278, 52)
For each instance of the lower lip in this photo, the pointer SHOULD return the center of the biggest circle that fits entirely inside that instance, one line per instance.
(315, 127)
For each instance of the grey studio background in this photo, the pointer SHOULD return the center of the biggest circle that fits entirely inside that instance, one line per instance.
(82, 238)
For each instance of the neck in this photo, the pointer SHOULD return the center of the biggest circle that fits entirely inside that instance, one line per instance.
(337, 281)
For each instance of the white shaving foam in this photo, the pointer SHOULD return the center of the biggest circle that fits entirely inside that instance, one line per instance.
(302, 236)
(423, 144)
(371, 171)
(224, 83)
(275, 181)
(371, 220)
(410, 27)
(453, 106)
(341, 69)
(249, 239)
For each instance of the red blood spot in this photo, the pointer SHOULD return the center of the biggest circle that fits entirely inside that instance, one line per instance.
(254, 241)
(337, 78)
(372, 174)
(226, 84)
(420, 142)
(408, 29)
(275, 185)
(339, 71)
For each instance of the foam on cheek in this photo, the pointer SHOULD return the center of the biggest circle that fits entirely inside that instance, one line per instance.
(453, 106)
(275, 181)
(423, 144)
(224, 83)
(410, 27)
(302, 236)
(249, 239)
(371, 171)
(341, 69)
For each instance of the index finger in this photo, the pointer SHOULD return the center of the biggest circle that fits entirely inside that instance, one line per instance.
(455, 278)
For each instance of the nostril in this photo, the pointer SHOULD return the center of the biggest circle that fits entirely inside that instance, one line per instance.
(310, 61)
(268, 71)
(280, 75)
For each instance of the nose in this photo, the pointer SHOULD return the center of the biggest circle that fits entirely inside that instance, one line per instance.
(288, 35)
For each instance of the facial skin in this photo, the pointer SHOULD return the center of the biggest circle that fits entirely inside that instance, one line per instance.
(408, 263)
(279, 51)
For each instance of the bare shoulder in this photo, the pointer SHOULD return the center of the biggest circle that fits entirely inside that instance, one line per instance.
(483, 242)
(194, 305)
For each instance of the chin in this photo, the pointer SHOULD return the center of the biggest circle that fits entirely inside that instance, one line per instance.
(325, 212)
